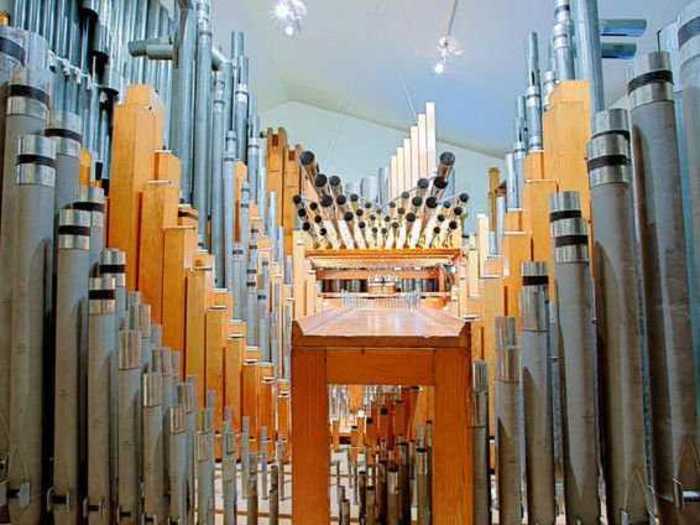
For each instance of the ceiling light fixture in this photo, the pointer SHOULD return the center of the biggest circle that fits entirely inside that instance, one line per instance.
(289, 14)
(447, 45)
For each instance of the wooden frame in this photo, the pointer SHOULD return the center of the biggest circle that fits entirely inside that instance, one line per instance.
(382, 347)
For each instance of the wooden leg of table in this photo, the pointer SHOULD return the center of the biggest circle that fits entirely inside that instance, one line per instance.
(452, 447)
(310, 438)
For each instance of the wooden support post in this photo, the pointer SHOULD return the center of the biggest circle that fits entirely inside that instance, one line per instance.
(309, 437)
(452, 480)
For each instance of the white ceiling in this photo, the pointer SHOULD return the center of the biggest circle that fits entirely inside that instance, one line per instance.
(373, 58)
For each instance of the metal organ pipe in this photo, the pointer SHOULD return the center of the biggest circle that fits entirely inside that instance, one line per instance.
(668, 328)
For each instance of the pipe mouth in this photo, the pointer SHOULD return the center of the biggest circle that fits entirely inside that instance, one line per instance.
(447, 158)
(297, 199)
(341, 200)
(307, 158)
(423, 184)
(334, 180)
(326, 201)
(348, 216)
(440, 183)
(431, 202)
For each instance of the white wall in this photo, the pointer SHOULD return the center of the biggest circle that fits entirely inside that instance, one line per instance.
(353, 148)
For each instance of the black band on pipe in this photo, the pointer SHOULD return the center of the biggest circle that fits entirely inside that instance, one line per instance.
(64, 133)
(608, 161)
(562, 9)
(88, 206)
(570, 240)
(12, 48)
(564, 214)
(688, 31)
(103, 295)
(535, 280)
(20, 90)
(112, 268)
(71, 229)
(27, 158)
(660, 76)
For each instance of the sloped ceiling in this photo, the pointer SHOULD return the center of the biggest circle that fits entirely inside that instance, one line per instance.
(374, 59)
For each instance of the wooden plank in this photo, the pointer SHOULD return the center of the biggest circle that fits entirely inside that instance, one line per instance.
(249, 395)
(431, 137)
(517, 248)
(167, 167)
(276, 156)
(493, 307)
(380, 366)
(137, 134)
(292, 175)
(178, 259)
(452, 442)
(216, 318)
(199, 281)
(310, 438)
(298, 277)
(423, 146)
(158, 212)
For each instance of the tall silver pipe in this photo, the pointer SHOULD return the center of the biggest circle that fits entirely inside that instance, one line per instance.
(263, 197)
(577, 351)
(562, 42)
(254, 157)
(204, 450)
(240, 109)
(152, 31)
(244, 229)
(537, 395)
(252, 491)
(102, 345)
(238, 275)
(26, 111)
(65, 129)
(689, 45)
(512, 189)
(129, 378)
(73, 265)
(509, 433)
(229, 211)
(263, 305)
(668, 328)
(618, 314)
(588, 49)
(177, 463)
(251, 310)
(533, 96)
(31, 307)
(480, 450)
(203, 118)
(113, 266)
(183, 75)
(187, 397)
(217, 140)
(154, 508)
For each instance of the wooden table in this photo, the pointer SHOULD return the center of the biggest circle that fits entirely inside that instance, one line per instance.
(381, 347)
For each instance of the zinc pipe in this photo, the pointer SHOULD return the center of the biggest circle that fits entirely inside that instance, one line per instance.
(577, 350)
(26, 111)
(252, 289)
(588, 50)
(65, 129)
(31, 307)
(537, 394)
(230, 474)
(154, 508)
(92, 200)
(217, 140)
(240, 113)
(480, 450)
(263, 317)
(182, 80)
(509, 433)
(102, 346)
(229, 214)
(129, 415)
(203, 117)
(263, 197)
(563, 52)
(668, 329)
(71, 351)
(177, 463)
(252, 491)
(204, 450)
(617, 321)
(238, 271)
